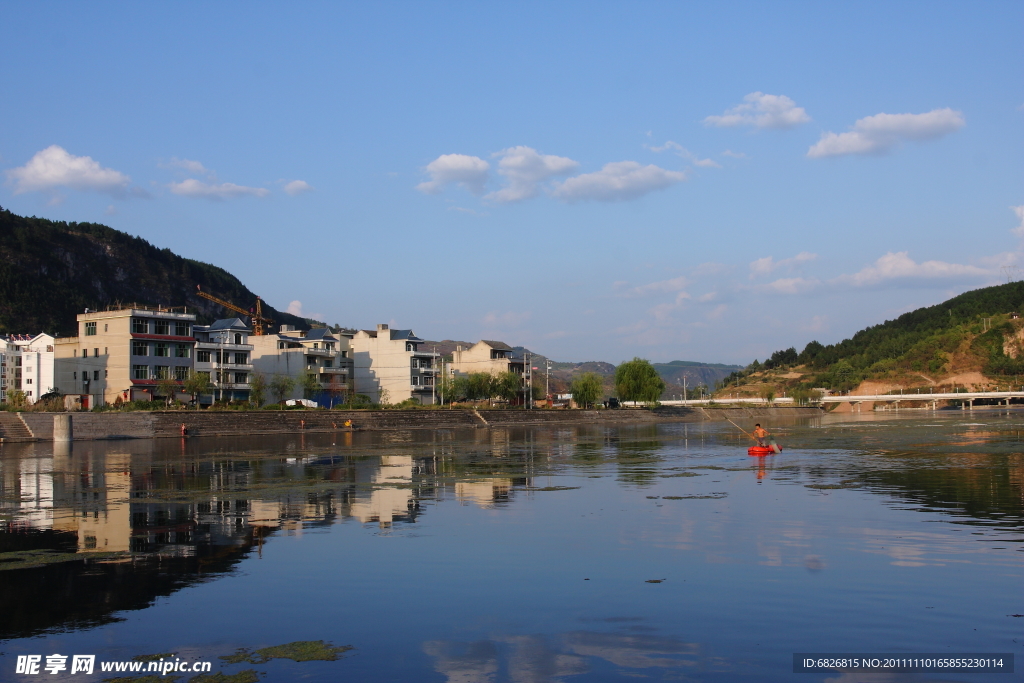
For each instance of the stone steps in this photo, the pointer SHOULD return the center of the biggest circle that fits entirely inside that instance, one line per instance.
(13, 429)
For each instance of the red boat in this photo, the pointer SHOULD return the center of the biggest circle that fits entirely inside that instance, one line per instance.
(762, 450)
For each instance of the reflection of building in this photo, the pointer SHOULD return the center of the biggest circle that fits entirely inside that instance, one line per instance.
(124, 353)
(26, 364)
(386, 504)
(484, 493)
(391, 361)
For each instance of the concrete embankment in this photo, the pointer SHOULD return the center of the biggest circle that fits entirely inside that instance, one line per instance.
(156, 424)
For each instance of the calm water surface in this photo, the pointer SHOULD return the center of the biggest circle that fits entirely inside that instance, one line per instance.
(524, 555)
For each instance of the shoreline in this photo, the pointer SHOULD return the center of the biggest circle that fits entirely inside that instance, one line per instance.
(169, 423)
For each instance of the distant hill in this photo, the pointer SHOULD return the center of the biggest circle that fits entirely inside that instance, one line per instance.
(976, 332)
(50, 271)
(695, 374)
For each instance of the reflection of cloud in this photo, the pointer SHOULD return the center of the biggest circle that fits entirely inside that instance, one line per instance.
(473, 663)
(633, 651)
(533, 661)
(540, 659)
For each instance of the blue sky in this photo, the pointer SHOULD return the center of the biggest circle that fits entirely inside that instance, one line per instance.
(691, 181)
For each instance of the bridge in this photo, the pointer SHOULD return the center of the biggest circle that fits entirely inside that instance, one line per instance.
(967, 399)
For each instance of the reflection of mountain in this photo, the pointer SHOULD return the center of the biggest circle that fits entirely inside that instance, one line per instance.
(545, 659)
(986, 487)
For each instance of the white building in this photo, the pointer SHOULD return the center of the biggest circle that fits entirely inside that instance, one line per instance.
(392, 361)
(224, 354)
(492, 357)
(26, 364)
(295, 353)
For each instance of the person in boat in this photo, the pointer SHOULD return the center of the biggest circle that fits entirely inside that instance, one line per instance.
(760, 433)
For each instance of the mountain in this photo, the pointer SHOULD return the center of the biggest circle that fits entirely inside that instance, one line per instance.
(50, 271)
(708, 374)
(974, 338)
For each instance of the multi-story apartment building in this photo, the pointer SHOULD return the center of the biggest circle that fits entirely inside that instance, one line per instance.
(392, 361)
(492, 357)
(26, 365)
(124, 353)
(224, 354)
(295, 353)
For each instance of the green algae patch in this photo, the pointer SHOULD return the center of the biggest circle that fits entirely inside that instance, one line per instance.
(30, 559)
(710, 496)
(299, 651)
(247, 676)
(681, 474)
(153, 658)
(552, 488)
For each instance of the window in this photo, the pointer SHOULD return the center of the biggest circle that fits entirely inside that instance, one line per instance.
(415, 363)
(181, 373)
(105, 351)
(181, 329)
(162, 371)
(140, 372)
(140, 348)
(428, 380)
(410, 347)
(96, 352)
(90, 329)
(328, 363)
(415, 381)
(238, 339)
(280, 345)
(106, 373)
(95, 374)
(105, 327)
(316, 345)
(182, 351)
(425, 363)
(344, 354)
(241, 378)
(219, 358)
(202, 356)
(241, 358)
(28, 381)
(85, 353)
(74, 375)
(311, 361)
(140, 326)
(163, 350)
(162, 327)
(329, 346)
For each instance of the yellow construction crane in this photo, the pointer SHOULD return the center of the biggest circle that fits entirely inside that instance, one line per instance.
(260, 324)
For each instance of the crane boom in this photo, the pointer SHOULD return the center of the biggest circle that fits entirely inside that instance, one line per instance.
(259, 322)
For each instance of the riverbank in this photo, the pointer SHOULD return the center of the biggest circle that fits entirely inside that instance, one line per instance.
(170, 423)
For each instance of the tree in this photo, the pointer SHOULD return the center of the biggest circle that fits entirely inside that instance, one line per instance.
(168, 387)
(310, 384)
(281, 386)
(637, 380)
(384, 398)
(507, 385)
(336, 388)
(196, 383)
(480, 386)
(257, 389)
(587, 389)
(16, 398)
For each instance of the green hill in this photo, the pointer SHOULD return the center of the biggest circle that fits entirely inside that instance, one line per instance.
(50, 271)
(977, 331)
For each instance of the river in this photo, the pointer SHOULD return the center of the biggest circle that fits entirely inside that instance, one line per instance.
(525, 555)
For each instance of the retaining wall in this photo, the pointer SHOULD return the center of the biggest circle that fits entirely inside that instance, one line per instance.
(147, 425)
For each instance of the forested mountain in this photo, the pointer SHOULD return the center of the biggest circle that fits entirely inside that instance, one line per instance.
(975, 331)
(50, 271)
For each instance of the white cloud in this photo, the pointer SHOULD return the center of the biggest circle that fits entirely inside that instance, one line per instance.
(675, 284)
(734, 155)
(1019, 210)
(110, 210)
(882, 132)
(791, 285)
(295, 308)
(54, 167)
(898, 265)
(468, 171)
(188, 165)
(509, 319)
(525, 169)
(462, 209)
(297, 187)
(663, 312)
(685, 154)
(761, 111)
(617, 181)
(197, 189)
(766, 265)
